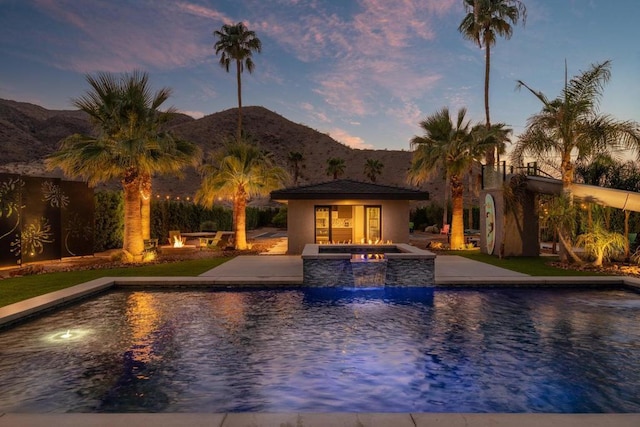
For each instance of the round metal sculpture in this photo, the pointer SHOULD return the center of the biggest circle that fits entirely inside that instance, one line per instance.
(490, 223)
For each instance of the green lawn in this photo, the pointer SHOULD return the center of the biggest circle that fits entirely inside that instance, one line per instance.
(20, 288)
(533, 266)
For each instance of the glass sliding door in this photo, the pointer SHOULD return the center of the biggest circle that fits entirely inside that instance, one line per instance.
(373, 228)
(323, 222)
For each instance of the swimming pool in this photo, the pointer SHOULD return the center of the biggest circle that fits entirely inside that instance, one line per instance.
(329, 350)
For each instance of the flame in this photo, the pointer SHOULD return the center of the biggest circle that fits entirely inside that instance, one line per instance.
(177, 242)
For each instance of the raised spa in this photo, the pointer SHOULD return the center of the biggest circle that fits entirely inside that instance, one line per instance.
(367, 265)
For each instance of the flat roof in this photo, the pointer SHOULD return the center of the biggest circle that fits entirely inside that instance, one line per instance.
(348, 189)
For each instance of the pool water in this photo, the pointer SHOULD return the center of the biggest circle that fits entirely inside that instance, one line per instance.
(329, 350)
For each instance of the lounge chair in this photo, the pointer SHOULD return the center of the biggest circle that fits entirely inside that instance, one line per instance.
(445, 229)
(210, 242)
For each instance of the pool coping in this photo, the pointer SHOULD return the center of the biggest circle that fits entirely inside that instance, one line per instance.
(322, 420)
(30, 307)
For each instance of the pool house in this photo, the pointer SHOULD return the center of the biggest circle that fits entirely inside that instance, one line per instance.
(347, 211)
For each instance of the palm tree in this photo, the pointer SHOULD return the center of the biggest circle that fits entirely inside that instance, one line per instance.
(484, 22)
(601, 244)
(570, 126)
(335, 167)
(239, 170)
(237, 44)
(452, 148)
(295, 159)
(129, 146)
(373, 168)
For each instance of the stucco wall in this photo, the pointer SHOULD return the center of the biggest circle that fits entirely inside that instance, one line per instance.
(300, 217)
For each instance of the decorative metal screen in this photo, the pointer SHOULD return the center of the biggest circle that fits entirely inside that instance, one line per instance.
(43, 219)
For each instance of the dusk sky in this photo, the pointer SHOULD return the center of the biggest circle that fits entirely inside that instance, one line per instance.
(364, 71)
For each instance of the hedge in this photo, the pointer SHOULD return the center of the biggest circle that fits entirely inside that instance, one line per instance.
(167, 215)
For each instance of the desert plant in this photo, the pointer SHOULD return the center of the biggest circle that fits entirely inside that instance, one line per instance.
(601, 244)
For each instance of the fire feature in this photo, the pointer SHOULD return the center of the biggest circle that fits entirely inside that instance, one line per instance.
(177, 242)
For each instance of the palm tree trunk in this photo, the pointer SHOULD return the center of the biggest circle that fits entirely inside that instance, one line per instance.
(566, 170)
(239, 132)
(240, 223)
(489, 156)
(566, 250)
(133, 242)
(457, 214)
(445, 205)
(145, 207)
(470, 209)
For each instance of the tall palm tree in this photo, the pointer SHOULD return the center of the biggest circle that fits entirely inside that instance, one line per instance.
(571, 127)
(239, 170)
(295, 159)
(373, 168)
(335, 167)
(484, 22)
(129, 146)
(452, 147)
(236, 44)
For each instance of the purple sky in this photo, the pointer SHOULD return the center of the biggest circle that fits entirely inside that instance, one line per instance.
(365, 71)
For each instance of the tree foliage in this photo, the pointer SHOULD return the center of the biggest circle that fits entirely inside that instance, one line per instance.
(129, 145)
(335, 167)
(485, 21)
(450, 146)
(373, 168)
(239, 171)
(236, 44)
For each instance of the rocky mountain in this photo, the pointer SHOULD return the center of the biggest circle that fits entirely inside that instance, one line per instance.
(28, 133)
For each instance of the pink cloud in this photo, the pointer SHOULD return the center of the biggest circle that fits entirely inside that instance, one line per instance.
(343, 136)
(204, 12)
(116, 39)
(194, 114)
(365, 55)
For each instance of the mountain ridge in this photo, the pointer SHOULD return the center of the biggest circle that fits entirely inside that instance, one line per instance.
(29, 133)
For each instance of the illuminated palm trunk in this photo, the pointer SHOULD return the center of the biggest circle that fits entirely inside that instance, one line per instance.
(145, 207)
(133, 242)
(457, 213)
(240, 220)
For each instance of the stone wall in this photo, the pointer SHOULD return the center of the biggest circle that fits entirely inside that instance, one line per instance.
(410, 267)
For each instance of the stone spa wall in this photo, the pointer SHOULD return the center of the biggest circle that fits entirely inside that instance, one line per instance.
(357, 265)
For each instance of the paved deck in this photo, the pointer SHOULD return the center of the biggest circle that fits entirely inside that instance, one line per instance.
(320, 420)
(448, 268)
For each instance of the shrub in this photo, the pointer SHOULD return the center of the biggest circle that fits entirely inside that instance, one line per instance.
(208, 226)
(602, 245)
(108, 220)
(280, 219)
